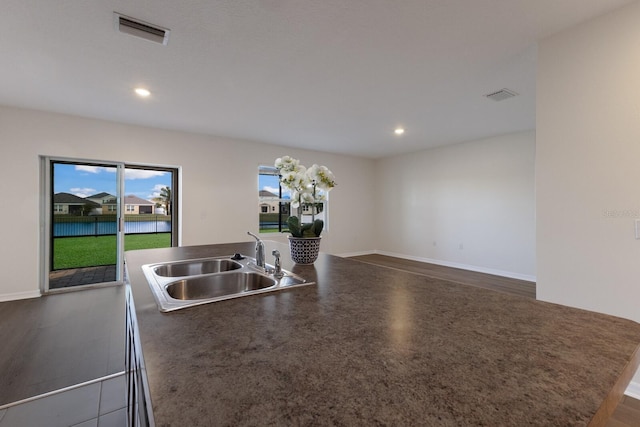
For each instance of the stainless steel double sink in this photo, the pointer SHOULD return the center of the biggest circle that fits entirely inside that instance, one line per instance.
(182, 284)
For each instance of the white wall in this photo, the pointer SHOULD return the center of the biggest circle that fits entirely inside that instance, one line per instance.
(470, 205)
(219, 187)
(588, 165)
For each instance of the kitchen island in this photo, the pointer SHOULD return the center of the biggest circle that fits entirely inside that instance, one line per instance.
(368, 345)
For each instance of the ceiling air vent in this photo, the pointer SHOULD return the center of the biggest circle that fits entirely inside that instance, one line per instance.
(501, 95)
(138, 28)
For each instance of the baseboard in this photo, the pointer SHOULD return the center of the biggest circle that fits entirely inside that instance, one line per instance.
(495, 272)
(19, 295)
(348, 254)
(633, 390)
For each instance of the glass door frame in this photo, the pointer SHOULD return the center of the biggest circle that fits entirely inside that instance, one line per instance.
(176, 205)
(46, 215)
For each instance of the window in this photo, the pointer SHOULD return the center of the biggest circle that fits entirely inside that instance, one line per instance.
(131, 208)
(58, 208)
(274, 203)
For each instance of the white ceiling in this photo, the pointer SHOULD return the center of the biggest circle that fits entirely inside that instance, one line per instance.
(331, 75)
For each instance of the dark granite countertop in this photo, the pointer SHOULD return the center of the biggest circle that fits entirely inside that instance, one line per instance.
(368, 345)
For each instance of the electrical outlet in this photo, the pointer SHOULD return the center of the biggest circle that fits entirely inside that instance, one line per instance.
(637, 229)
(461, 247)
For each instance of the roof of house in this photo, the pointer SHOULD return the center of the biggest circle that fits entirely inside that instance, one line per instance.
(72, 199)
(131, 200)
(100, 195)
(265, 193)
(135, 200)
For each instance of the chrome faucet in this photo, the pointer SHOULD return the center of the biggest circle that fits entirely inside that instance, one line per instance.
(277, 272)
(259, 250)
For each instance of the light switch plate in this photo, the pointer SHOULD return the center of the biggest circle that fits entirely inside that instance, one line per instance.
(637, 229)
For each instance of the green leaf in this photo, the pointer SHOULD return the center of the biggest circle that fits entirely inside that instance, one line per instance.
(294, 226)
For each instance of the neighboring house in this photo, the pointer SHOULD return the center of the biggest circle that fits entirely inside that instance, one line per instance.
(110, 206)
(314, 209)
(268, 202)
(70, 204)
(101, 198)
(134, 205)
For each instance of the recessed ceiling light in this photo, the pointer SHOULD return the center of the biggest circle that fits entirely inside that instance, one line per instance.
(399, 131)
(140, 91)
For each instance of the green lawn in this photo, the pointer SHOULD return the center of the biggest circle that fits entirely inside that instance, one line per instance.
(272, 218)
(75, 252)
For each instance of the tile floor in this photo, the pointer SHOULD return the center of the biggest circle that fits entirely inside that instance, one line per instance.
(82, 276)
(99, 404)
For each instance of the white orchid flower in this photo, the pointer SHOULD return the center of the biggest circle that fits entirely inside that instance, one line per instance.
(307, 197)
(304, 183)
(295, 200)
(322, 177)
(287, 164)
(291, 180)
(312, 172)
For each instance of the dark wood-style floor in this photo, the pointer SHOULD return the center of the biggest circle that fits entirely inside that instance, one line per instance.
(60, 340)
(627, 413)
(481, 280)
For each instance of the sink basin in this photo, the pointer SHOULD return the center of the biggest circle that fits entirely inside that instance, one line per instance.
(218, 285)
(187, 283)
(196, 267)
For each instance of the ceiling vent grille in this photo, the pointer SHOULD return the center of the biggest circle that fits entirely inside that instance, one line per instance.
(501, 95)
(138, 28)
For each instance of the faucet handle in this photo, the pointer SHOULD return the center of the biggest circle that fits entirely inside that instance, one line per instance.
(278, 274)
(259, 250)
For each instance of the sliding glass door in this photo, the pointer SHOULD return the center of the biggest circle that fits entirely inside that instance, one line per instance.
(84, 237)
(150, 220)
(93, 211)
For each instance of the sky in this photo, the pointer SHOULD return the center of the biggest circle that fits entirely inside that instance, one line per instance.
(86, 180)
(269, 183)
